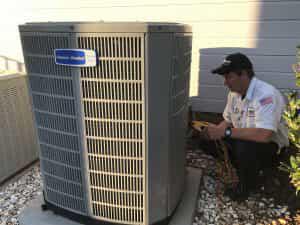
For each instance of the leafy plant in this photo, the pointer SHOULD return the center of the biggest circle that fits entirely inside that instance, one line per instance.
(292, 118)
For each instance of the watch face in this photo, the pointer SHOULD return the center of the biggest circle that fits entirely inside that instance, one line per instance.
(227, 132)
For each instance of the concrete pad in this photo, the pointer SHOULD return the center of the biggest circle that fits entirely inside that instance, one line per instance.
(33, 214)
(184, 214)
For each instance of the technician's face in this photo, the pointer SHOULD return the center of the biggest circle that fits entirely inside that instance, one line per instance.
(233, 81)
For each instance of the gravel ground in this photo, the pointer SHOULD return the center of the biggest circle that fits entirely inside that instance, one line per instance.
(15, 195)
(212, 208)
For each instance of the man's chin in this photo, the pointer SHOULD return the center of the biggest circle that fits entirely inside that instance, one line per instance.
(233, 91)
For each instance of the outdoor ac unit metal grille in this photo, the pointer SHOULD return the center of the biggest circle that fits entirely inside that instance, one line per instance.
(67, 125)
(52, 86)
(56, 120)
(46, 66)
(113, 100)
(55, 154)
(180, 79)
(18, 146)
(112, 134)
(40, 44)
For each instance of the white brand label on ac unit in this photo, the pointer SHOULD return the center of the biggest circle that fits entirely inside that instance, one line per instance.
(75, 57)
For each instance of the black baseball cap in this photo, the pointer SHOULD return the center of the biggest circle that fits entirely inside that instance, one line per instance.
(234, 62)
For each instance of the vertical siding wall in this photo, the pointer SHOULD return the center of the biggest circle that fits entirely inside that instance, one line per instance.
(266, 30)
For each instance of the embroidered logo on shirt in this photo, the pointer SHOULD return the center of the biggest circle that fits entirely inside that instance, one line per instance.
(266, 101)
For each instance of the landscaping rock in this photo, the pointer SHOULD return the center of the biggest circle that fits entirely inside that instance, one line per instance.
(15, 196)
(215, 208)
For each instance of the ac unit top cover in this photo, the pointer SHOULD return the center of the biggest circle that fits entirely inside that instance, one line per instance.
(109, 27)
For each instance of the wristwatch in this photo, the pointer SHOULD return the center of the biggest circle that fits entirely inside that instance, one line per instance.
(228, 132)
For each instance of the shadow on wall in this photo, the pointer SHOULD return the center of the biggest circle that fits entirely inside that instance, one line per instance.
(272, 38)
(9, 64)
(212, 92)
(274, 69)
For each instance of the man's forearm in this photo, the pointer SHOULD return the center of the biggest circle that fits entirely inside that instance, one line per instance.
(217, 132)
(252, 134)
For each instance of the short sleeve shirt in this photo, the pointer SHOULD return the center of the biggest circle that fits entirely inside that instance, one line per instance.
(262, 107)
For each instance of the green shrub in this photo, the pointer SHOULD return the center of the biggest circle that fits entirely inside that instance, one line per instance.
(292, 118)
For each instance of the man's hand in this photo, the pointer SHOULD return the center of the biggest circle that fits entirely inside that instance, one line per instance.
(215, 132)
(200, 125)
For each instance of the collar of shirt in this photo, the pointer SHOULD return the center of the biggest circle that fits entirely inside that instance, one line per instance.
(251, 88)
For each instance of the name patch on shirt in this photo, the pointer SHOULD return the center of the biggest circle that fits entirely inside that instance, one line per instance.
(266, 101)
(236, 109)
(251, 112)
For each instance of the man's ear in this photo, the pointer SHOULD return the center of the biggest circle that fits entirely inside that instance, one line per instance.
(244, 74)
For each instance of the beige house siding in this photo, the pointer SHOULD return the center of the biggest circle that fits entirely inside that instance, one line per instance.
(266, 30)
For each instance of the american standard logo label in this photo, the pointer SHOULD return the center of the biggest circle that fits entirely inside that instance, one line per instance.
(75, 57)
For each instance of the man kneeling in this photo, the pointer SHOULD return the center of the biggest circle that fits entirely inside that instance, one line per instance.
(253, 126)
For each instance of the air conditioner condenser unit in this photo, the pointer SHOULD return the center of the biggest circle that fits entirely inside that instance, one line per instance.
(110, 104)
